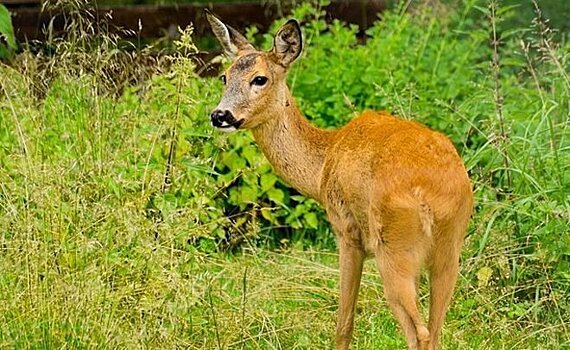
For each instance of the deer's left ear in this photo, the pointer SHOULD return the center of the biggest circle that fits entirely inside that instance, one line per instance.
(230, 39)
(288, 43)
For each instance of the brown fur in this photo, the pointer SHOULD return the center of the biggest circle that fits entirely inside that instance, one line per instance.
(393, 189)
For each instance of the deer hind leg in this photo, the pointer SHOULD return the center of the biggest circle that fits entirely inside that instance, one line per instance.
(399, 275)
(401, 249)
(443, 271)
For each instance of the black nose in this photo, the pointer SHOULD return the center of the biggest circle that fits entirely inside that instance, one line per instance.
(221, 118)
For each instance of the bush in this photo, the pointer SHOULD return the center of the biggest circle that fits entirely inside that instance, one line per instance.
(7, 39)
(93, 159)
(504, 105)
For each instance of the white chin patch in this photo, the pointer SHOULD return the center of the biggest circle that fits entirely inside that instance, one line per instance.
(227, 128)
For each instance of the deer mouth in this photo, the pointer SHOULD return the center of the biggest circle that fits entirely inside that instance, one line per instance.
(224, 120)
(229, 126)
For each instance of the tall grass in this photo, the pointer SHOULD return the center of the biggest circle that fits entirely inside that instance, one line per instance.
(116, 197)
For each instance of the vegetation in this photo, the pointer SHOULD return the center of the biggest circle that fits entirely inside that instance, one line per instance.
(127, 222)
(170, 2)
(7, 39)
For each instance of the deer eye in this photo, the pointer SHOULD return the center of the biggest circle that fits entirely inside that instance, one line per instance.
(259, 80)
(223, 79)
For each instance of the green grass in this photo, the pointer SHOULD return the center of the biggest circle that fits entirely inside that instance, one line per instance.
(152, 295)
(97, 250)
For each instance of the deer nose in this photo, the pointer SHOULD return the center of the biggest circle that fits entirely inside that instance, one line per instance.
(221, 118)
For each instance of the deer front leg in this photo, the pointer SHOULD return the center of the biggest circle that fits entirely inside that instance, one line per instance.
(351, 261)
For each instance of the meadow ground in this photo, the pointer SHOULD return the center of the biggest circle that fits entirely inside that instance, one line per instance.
(127, 222)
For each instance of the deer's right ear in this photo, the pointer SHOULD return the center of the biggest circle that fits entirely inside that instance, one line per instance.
(288, 43)
(231, 40)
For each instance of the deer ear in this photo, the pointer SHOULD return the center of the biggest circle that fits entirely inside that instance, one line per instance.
(231, 40)
(288, 43)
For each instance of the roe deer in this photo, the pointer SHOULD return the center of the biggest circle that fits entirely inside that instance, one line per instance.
(392, 189)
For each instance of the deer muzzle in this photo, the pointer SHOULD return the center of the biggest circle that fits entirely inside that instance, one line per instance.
(225, 120)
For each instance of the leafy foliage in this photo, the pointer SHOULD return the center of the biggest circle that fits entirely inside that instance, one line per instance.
(507, 115)
(7, 38)
(113, 185)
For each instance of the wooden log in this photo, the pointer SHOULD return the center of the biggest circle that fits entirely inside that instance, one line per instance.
(30, 23)
(20, 2)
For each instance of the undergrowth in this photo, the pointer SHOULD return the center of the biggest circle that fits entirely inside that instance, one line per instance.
(119, 204)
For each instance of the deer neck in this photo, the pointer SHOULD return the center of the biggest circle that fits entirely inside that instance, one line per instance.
(295, 148)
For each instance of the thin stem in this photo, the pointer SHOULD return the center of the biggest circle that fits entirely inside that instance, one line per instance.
(498, 95)
(243, 303)
(219, 342)
(172, 149)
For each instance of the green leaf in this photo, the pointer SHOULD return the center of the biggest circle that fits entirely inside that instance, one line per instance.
(484, 276)
(3, 51)
(312, 220)
(276, 195)
(269, 215)
(6, 28)
(251, 154)
(248, 194)
(268, 181)
(251, 179)
(233, 161)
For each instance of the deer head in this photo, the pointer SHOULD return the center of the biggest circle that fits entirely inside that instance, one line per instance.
(255, 82)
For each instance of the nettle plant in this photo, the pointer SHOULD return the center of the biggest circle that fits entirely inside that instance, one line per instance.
(257, 204)
(506, 115)
(7, 38)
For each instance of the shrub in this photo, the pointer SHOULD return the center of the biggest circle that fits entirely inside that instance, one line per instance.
(7, 38)
(503, 104)
(86, 158)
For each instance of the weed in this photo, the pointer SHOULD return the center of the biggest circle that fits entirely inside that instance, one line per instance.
(116, 196)
(7, 38)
